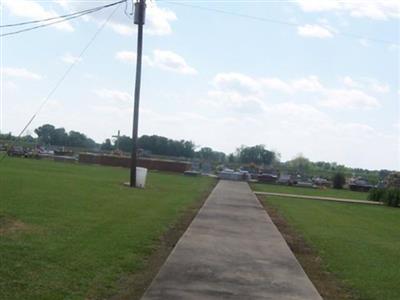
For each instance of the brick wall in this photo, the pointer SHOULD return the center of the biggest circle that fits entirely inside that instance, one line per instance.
(123, 161)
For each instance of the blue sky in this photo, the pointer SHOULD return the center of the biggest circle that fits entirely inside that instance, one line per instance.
(220, 80)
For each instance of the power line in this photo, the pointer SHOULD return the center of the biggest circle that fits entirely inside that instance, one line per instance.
(269, 20)
(59, 19)
(63, 16)
(65, 74)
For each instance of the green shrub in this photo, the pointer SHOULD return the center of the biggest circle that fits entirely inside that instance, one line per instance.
(391, 197)
(338, 180)
(376, 194)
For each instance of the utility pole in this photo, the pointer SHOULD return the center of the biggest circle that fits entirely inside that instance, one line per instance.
(140, 10)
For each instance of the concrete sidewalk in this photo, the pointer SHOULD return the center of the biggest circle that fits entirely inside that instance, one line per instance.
(232, 250)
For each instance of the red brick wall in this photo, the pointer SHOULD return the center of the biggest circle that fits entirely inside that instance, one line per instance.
(123, 161)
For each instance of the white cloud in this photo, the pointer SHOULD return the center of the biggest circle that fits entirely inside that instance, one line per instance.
(380, 87)
(170, 61)
(314, 31)
(114, 95)
(234, 102)
(236, 82)
(308, 84)
(20, 73)
(276, 84)
(126, 56)
(122, 29)
(237, 88)
(158, 19)
(370, 84)
(376, 9)
(318, 5)
(291, 127)
(33, 11)
(63, 3)
(70, 59)
(394, 47)
(364, 42)
(242, 83)
(350, 82)
(162, 59)
(348, 99)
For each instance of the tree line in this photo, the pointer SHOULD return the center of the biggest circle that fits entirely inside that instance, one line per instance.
(259, 155)
(50, 135)
(154, 144)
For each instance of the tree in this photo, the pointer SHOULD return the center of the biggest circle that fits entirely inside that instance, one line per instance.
(76, 139)
(45, 133)
(208, 154)
(125, 143)
(393, 180)
(299, 164)
(256, 154)
(107, 146)
(163, 146)
(338, 180)
(59, 137)
(49, 135)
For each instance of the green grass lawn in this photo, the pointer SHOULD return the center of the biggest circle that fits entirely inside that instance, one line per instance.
(72, 231)
(275, 188)
(360, 244)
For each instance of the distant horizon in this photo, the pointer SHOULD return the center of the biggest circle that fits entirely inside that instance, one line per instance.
(198, 147)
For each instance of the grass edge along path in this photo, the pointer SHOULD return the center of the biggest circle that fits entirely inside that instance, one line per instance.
(328, 286)
(358, 244)
(319, 198)
(81, 230)
(132, 286)
(307, 191)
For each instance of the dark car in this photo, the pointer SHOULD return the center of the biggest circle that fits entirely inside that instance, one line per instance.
(360, 185)
(265, 177)
(16, 151)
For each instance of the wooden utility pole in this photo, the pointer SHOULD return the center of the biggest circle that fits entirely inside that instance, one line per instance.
(140, 10)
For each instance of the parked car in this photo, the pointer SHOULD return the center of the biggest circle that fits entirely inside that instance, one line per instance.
(360, 185)
(321, 182)
(266, 177)
(286, 179)
(229, 174)
(309, 184)
(16, 151)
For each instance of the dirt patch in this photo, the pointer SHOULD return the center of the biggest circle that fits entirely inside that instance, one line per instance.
(10, 225)
(133, 286)
(326, 283)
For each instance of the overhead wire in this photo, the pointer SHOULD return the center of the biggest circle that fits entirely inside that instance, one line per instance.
(63, 77)
(58, 19)
(276, 21)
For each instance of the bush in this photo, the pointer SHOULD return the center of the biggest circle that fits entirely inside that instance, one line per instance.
(391, 197)
(338, 180)
(376, 194)
(393, 180)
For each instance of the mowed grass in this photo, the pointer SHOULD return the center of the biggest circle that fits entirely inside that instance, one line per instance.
(360, 244)
(329, 192)
(72, 231)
